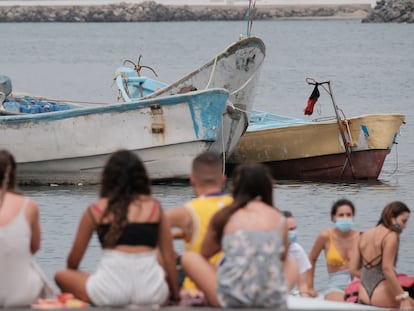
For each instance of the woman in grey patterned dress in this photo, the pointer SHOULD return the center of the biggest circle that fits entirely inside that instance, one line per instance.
(253, 235)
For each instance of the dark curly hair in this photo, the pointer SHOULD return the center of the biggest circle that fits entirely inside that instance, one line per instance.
(250, 181)
(123, 178)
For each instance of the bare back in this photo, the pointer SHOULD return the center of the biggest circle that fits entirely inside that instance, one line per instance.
(144, 209)
(258, 216)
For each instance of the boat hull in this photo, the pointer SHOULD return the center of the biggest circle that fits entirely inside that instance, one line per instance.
(72, 146)
(172, 162)
(316, 151)
(237, 70)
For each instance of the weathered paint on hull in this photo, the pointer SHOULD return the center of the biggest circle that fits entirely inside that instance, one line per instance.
(71, 146)
(237, 70)
(171, 162)
(316, 151)
(367, 166)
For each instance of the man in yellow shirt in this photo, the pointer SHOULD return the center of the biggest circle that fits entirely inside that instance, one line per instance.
(190, 221)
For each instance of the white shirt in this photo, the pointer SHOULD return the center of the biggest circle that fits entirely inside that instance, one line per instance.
(297, 253)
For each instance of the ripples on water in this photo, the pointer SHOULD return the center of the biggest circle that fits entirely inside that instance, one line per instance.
(62, 207)
(371, 67)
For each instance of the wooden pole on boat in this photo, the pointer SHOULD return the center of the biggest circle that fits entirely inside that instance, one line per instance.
(341, 131)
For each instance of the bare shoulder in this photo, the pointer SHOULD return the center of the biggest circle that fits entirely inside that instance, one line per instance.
(178, 211)
(391, 237)
(32, 208)
(178, 216)
(32, 204)
(324, 235)
(18, 199)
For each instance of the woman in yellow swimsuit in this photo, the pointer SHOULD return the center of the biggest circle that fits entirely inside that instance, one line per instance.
(337, 243)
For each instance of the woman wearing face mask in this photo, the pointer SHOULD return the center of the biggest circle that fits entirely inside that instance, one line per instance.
(337, 244)
(374, 259)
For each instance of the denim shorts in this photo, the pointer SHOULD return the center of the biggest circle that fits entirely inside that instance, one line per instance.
(338, 281)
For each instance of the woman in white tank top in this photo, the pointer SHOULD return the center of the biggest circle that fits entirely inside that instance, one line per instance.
(21, 281)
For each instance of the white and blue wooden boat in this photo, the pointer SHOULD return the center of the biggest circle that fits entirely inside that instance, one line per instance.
(235, 69)
(61, 142)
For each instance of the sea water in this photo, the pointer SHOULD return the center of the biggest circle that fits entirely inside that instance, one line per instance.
(371, 67)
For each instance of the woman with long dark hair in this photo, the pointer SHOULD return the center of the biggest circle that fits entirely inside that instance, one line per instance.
(375, 257)
(21, 280)
(130, 225)
(253, 235)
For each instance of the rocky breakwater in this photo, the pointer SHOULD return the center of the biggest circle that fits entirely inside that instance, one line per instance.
(151, 11)
(392, 11)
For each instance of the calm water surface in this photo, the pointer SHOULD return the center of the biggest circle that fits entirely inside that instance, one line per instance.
(371, 67)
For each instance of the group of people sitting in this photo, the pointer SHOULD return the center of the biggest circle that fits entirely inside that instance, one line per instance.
(240, 249)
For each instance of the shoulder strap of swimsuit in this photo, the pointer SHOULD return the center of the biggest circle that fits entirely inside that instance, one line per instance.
(383, 239)
(368, 263)
(91, 215)
(154, 209)
(331, 238)
(95, 207)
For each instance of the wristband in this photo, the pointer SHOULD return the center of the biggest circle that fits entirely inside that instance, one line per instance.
(402, 296)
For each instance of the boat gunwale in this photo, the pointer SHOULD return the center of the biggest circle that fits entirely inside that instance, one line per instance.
(258, 126)
(108, 108)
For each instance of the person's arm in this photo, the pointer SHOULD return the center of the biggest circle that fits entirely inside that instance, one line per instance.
(168, 256)
(355, 261)
(178, 234)
(285, 240)
(33, 212)
(180, 220)
(210, 246)
(317, 247)
(303, 284)
(298, 253)
(390, 250)
(83, 236)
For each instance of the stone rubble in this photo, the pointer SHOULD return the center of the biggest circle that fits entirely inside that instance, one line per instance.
(392, 11)
(150, 11)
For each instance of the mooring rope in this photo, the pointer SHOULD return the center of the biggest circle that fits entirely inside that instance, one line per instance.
(213, 71)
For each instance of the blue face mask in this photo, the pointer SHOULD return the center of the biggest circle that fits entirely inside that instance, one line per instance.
(344, 224)
(292, 236)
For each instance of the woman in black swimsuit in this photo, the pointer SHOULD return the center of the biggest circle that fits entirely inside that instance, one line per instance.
(374, 260)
